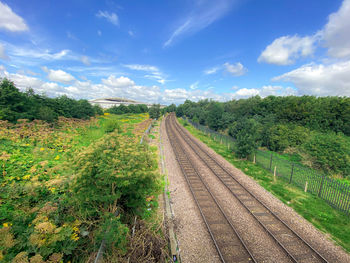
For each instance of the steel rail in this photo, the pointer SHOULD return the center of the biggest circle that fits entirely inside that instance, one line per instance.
(189, 140)
(174, 141)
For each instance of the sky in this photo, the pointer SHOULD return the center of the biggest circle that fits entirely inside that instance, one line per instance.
(165, 51)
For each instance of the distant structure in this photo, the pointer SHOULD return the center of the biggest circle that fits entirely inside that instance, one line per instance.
(110, 102)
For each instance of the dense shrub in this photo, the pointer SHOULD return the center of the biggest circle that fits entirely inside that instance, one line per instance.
(154, 111)
(282, 136)
(245, 131)
(111, 125)
(15, 105)
(116, 173)
(122, 109)
(329, 152)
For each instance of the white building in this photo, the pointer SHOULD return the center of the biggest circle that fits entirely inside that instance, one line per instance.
(110, 102)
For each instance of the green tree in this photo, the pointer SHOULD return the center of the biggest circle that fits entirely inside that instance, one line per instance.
(214, 119)
(12, 101)
(245, 131)
(154, 111)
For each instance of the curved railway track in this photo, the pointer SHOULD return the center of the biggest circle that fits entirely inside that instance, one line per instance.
(295, 247)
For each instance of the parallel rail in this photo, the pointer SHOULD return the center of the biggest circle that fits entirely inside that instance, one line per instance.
(292, 243)
(229, 244)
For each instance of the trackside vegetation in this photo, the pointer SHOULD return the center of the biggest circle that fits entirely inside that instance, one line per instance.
(313, 131)
(66, 187)
(315, 210)
(15, 105)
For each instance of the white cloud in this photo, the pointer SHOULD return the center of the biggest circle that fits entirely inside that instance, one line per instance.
(99, 33)
(194, 86)
(204, 13)
(121, 82)
(131, 33)
(141, 67)
(285, 50)
(336, 33)
(263, 92)
(154, 72)
(236, 69)
(211, 70)
(27, 53)
(58, 75)
(85, 60)
(3, 54)
(11, 21)
(319, 79)
(111, 17)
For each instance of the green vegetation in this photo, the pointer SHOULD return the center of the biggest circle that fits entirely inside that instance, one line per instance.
(62, 185)
(154, 111)
(315, 210)
(315, 130)
(15, 105)
(122, 109)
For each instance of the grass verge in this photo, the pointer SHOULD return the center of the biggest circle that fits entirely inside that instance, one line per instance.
(313, 209)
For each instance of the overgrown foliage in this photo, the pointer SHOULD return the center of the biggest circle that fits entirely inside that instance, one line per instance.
(315, 210)
(15, 105)
(154, 111)
(282, 124)
(122, 109)
(61, 187)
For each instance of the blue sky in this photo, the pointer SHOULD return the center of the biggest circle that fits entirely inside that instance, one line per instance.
(169, 51)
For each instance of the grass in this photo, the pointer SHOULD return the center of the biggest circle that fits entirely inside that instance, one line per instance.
(313, 209)
(36, 164)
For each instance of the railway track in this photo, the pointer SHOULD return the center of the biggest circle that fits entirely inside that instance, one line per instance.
(229, 244)
(295, 247)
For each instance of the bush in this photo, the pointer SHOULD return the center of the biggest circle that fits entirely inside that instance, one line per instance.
(112, 125)
(281, 136)
(245, 131)
(115, 173)
(329, 152)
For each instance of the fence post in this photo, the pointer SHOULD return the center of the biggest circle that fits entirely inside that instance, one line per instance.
(321, 186)
(305, 189)
(271, 162)
(274, 173)
(254, 158)
(291, 174)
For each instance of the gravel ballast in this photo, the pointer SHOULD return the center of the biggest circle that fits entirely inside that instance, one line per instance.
(194, 241)
(318, 240)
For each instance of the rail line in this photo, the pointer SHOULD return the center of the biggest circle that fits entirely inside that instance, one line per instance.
(229, 244)
(291, 243)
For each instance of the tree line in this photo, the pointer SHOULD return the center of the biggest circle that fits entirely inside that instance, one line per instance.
(315, 129)
(15, 105)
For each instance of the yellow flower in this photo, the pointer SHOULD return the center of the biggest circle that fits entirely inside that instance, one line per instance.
(57, 157)
(42, 149)
(26, 177)
(106, 113)
(74, 237)
(5, 224)
(52, 189)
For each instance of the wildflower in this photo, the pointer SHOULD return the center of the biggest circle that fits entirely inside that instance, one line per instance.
(5, 224)
(57, 157)
(106, 113)
(45, 227)
(22, 257)
(42, 149)
(52, 189)
(26, 177)
(74, 237)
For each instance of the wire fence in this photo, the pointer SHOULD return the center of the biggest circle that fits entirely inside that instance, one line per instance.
(335, 193)
(216, 136)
